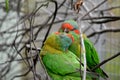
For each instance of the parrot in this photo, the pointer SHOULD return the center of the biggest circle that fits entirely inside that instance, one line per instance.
(75, 47)
(60, 63)
(92, 58)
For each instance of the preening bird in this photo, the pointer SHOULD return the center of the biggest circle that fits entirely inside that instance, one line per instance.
(60, 63)
(92, 58)
(67, 27)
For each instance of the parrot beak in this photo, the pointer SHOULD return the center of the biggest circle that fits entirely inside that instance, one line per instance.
(65, 30)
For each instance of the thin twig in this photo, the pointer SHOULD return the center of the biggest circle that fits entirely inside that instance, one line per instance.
(103, 19)
(103, 31)
(108, 9)
(105, 61)
(24, 74)
(94, 8)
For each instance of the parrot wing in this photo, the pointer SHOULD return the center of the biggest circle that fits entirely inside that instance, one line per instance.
(75, 46)
(61, 64)
(91, 53)
(92, 57)
(58, 60)
(64, 65)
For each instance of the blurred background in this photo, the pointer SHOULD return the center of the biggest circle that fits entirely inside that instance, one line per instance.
(25, 23)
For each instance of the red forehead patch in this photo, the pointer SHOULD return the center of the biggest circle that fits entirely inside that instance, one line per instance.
(67, 25)
(77, 31)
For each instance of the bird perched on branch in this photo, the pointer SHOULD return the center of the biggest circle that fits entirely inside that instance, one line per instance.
(60, 63)
(67, 27)
(71, 27)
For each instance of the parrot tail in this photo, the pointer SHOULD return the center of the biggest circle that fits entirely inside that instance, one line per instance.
(104, 75)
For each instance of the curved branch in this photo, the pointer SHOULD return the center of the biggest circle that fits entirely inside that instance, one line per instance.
(103, 31)
(104, 19)
(26, 73)
(55, 13)
(105, 61)
(108, 9)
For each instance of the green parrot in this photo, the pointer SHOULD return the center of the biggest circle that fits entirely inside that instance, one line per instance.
(74, 47)
(71, 27)
(60, 63)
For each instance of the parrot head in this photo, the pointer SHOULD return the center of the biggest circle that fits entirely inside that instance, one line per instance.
(65, 40)
(59, 41)
(70, 25)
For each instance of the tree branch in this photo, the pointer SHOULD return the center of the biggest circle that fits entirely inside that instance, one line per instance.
(103, 31)
(94, 8)
(105, 61)
(108, 9)
(104, 19)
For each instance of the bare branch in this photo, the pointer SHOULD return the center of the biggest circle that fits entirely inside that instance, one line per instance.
(104, 19)
(103, 31)
(94, 8)
(105, 61)
(108, 9)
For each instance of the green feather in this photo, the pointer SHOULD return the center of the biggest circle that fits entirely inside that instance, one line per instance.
(92, 57)
(75, 47)
(91, 53)
(61, 64)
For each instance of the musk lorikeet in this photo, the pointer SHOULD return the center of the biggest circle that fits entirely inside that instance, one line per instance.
(71, 27)
(60, 63)
(67, 27)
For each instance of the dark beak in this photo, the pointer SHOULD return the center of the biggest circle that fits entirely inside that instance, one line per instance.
(66, 30)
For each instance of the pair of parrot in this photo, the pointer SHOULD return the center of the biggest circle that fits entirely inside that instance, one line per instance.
(61, 51)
